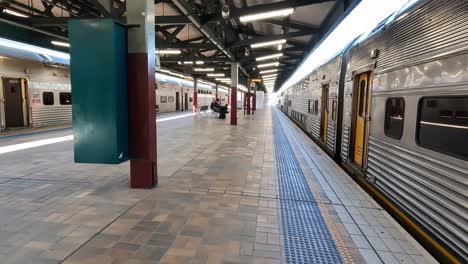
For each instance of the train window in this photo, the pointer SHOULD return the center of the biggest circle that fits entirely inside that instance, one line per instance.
(362, 94)
(311, 106)
(394, 117)
(443, 125)
(48, 98)
(171, 99)
(334, 110)
(163, 99)
(65, 98)
(316, 107)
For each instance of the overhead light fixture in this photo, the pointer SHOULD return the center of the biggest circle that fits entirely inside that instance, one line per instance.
(272, 56)
(280, 46)
(199, 62)
(14, 13)
(223, 79)
(265, 65)
(268, 71)
(60, 43)
(270, 75)
(188, 62)
(203, 69)
(265, 15)
(215, 74)
(168, 51)
(225, 10)
(268, 43)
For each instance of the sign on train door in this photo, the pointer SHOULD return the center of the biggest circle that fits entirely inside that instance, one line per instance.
(14, 116)
(362, 118)
(323, 132)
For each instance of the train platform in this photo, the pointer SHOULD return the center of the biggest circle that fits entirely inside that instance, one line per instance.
(258, 192)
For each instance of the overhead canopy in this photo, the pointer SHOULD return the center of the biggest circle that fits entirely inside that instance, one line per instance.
(204, 36)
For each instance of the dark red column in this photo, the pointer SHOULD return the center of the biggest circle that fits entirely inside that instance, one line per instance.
(142, 94)
(195, 95)
(254, 100)
(249, 97)
(233, 106)
(234, 83)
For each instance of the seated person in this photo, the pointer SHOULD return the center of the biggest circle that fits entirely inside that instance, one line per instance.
(215, 106)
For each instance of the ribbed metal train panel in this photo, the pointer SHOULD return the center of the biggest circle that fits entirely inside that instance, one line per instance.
(433, 191)
(427, 30)
(49, 116)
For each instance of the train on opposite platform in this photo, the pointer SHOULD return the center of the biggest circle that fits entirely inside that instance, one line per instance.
(392, 109)
(35, 94)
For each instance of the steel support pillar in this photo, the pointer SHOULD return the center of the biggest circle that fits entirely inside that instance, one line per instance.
(195, 95)
(216, 93)
(234, 83)
(141, 94)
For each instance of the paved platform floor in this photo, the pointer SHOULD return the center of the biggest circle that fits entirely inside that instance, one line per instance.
(225, 196)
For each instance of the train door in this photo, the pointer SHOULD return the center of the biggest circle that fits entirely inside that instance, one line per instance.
(177, 101)
(324, 123)
(186, 101)
(14, 114)
(362, 118)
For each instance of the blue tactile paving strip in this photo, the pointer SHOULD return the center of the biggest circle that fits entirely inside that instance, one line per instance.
(306, 235)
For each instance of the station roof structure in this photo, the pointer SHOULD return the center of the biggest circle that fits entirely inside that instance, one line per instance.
(206, 34)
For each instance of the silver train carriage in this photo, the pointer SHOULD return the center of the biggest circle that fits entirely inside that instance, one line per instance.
(392, 108)
(33, 94)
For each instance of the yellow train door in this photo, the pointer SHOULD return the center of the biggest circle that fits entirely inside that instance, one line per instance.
(324, 112)
(362, 118)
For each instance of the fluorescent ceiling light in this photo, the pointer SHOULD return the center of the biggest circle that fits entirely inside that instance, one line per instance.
(222, 79)
(14, 13)
(203, 69)
(167, 51)
(268, 71)
(188, 62)
(272, 56)
(215, 74)
(268, 43)
(199, 62)
(265, 15)
(265, 65)
(270, 75)
(362, 19)
(60, 43)
(280, 46)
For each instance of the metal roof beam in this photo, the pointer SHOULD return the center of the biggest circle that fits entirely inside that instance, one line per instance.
(181, 45)
(192, 58)
(293, 25)
(172, 20)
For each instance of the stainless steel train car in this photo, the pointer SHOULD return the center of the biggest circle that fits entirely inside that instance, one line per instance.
(392, 109)
(34, 94)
